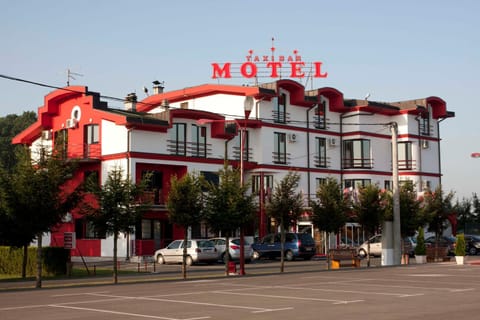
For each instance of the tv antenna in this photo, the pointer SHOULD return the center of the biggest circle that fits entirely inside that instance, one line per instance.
(70, 75)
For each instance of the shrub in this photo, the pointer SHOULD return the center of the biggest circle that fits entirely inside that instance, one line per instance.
(420, 249)
(54, 260)
(460, 246)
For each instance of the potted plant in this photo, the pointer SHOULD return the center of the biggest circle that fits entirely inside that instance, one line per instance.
(420, 249)
(460, 249)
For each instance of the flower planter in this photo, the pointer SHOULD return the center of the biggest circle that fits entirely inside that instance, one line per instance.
(420, 259)
(460, 260)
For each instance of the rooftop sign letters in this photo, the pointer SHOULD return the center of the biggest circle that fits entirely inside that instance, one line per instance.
(272, 66)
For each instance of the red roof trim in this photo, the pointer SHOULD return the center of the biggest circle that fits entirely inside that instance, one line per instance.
(194, 92)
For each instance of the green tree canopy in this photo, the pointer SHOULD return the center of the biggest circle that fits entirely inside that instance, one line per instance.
(117, 208)
(36, 195)
(185, 206)
(329, 212)
(285, 206)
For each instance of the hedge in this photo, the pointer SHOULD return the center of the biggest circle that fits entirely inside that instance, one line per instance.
(54, 261)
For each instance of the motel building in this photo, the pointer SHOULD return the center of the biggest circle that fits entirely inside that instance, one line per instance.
(316, 133)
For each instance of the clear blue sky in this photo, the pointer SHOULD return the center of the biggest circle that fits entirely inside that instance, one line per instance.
(394, 50)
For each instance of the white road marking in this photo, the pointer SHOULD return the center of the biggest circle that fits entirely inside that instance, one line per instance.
(123, 313)
(195, 303)
(335, 301)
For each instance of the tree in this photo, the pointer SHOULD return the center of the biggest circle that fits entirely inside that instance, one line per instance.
(117, 207)
(465, 217)
(10, 126)
(285, 206)
(37, 195)
(411, 217)
(227, 207)
(370, 211)
(329, 212)
(437, 209)
(185, 206)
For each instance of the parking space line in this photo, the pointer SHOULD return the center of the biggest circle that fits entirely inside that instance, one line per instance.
(138, 315)
(197, 303)
(335, 301)
(350, 291)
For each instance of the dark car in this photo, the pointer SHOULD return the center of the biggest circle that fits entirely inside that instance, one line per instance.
(444, 241)
(297, 245)
(472, 244)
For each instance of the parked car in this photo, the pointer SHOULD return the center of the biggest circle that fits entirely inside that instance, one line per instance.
(198, 250)
(408, 244)
(234, 248)
(297, 245)
(443, 241)
(473, 244)
(375, 247)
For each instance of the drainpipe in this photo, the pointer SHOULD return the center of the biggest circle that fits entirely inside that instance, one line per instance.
(419, 151)
(439, 158)
(308, 153)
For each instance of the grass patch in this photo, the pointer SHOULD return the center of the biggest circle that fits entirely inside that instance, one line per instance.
(76, 273)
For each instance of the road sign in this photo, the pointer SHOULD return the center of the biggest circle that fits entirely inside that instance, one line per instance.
(69, 240)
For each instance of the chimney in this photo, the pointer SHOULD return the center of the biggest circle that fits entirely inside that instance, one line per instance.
(158, 87)
(131, 102)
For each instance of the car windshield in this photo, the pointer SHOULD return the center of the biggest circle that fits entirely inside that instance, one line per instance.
(205, 244)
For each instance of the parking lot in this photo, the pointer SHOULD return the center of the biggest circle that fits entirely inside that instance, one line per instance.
(436, 290)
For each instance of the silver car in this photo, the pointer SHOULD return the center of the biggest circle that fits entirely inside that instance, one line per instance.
(198, 250)
(234, 249)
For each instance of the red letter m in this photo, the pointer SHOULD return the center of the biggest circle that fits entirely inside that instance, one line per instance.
(221, 72)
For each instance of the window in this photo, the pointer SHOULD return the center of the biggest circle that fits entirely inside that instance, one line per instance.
(356, 183)
(279, 109)
(267, 184)
(61, 142)
(178, 138)
(199, 141)
(91, 138)
(279, 148)
(388, 184)
(425, 124)
(92, 134)
(154, 189)
(319, 182)
(356, 154)
(85, 230)
(320, 120)
(405, 156)
(210, 177)
(321, 152)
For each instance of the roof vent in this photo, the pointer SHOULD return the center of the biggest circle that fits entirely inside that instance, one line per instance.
(131, 102)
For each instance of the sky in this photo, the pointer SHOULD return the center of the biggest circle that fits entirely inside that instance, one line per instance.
(392, 50)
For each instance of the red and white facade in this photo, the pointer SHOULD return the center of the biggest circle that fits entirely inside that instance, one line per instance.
(317, 133)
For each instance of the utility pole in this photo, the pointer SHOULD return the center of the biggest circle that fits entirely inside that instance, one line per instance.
(397, 235)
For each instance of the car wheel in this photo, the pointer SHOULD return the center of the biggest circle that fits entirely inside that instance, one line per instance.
(189, 261)
(160, 259)
(289, 255)
(255, 255)
(472, 251)
(362, 253)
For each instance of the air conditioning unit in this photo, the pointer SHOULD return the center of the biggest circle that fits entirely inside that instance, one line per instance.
(47, 135)
(332, 142)
(292, 137)
(425, 144)
(71, 123)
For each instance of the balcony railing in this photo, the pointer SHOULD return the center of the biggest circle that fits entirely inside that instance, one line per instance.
(83, 151)
(357, 163)
(189, 149)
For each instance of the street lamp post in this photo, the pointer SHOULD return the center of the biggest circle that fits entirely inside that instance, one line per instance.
(248, 105)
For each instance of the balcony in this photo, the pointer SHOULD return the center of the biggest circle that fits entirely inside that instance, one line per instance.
(357, 163)
(83, 151)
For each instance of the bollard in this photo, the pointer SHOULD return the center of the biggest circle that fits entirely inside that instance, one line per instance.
(154, 266)
(138, 267)
(94, 270)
